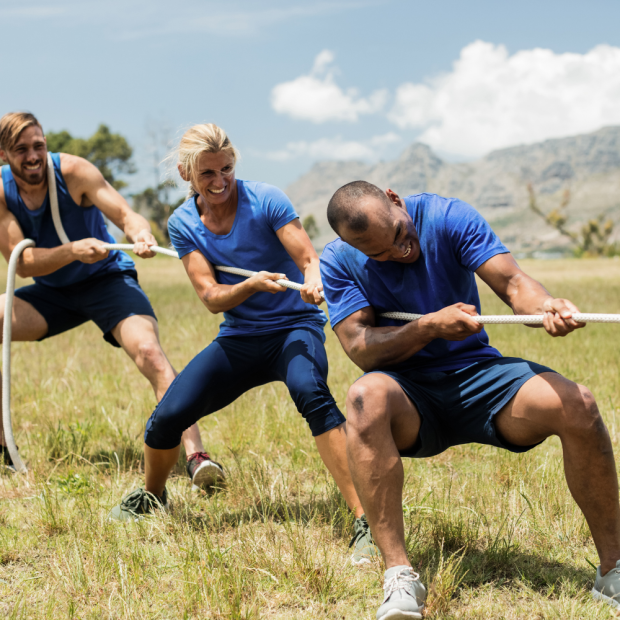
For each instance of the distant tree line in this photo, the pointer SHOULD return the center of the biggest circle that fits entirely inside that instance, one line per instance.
(111, 154)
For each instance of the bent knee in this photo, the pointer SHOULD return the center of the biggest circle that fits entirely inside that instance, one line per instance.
(581, 411)
(151, 355)
(368, 402)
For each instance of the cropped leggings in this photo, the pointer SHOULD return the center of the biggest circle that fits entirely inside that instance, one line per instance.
(232, 365)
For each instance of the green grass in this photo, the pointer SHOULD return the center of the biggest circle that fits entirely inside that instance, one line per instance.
(494, 535)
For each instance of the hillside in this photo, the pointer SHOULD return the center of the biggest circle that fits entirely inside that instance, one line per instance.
(588, 165)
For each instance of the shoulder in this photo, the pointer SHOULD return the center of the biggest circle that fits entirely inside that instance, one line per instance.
(182, 214)
(339, 254)
(78, 171)
(263, 193)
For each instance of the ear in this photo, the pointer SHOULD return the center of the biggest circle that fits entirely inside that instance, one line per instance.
(182, 172)
(394, 198)
(3, 156)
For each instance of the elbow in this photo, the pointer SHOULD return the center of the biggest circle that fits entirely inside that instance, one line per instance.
(209, 305)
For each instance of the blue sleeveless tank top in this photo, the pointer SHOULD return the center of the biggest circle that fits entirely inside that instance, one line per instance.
(78, 222)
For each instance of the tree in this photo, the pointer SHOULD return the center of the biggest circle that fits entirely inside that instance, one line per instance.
(110, 152)
(593, 237)
(154, 205)
(310, 226)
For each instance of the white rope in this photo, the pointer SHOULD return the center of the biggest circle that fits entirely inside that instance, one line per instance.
(22, 245)
(519, 319)
(53, 194)
(7, 332)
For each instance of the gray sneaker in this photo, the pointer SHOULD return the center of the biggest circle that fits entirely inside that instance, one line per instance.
(138, 504)
(607, 587)
(404, 595)
(364, 546)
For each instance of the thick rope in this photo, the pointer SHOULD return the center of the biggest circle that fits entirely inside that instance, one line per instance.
(491, 319)
(26, 243)
(7, 332)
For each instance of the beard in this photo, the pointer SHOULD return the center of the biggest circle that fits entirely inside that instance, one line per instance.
(30, 178)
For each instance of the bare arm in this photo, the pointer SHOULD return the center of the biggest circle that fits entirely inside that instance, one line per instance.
(372, 347)
(524, 295)
(299, 247)
(222, 297)
(85, 180)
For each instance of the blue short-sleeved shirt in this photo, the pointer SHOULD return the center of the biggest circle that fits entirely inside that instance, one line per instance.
(454, 241)
(251, 244)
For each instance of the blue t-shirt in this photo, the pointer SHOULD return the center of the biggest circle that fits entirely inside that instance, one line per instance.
(454, 241)
(251, 244)
(78, 222)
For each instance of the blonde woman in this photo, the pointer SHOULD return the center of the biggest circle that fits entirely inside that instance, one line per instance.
(269, 333)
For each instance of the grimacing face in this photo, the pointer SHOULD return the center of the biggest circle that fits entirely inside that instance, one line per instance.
(214, 177)
(28, 158)
(391, 234)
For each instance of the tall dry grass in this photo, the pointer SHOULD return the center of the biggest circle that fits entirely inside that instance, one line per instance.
(494, 535)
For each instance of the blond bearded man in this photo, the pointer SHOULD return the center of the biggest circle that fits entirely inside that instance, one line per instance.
(78, 281)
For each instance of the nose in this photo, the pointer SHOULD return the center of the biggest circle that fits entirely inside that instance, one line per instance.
(218, 181)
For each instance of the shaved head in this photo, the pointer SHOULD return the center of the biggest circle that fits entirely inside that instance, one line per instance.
(346, 207)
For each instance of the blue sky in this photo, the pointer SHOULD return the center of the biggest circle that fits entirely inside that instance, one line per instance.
(297, 81)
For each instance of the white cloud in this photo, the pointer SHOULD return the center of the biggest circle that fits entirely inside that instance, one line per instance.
(316, 97)
(336, 149)
(491, 99)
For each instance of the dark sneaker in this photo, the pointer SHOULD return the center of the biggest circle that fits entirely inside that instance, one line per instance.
(364, 546)
(204, 473)
(404, 595)
(5, 459)
(138, 504)
(607, 587)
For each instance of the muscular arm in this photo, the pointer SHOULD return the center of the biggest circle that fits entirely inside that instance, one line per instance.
(223, 297)
(86, 182)
(524, 295)
(299, 247)
(372, 347)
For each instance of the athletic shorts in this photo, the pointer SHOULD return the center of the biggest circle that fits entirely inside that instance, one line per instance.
(458, 407)
(232, 365)
(106, 300)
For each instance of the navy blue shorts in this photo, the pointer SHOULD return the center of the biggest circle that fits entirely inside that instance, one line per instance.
(106, 300)
(232, 365)
(458, 407)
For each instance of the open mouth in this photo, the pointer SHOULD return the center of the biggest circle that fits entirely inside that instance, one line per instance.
(217, 191)
(33, 167)
(408, 251)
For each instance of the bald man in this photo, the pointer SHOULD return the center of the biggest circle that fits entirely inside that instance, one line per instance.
(436, 382)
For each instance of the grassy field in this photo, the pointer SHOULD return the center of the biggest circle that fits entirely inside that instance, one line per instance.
(494, 535)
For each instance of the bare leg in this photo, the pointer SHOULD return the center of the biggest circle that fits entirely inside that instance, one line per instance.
(381, 421)
(28, 325)
(332, 447)
(139, 337)
(549, 404)
(158, 465)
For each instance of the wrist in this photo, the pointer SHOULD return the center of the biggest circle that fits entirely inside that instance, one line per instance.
(426, 325)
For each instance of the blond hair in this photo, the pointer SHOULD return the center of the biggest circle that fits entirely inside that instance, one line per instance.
(204, 138)
(12, 125)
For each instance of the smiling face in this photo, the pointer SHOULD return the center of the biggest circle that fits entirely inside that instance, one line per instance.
(28, 158)
(214, 177)
(391, 234)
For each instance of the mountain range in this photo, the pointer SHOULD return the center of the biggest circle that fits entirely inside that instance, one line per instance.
(588, 166)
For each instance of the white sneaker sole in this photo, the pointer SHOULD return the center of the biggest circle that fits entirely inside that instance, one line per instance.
(397, 614)
(359, 562)
(599, 596)
(207, 475)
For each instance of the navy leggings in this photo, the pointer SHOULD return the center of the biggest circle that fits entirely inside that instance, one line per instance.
(232, 365)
